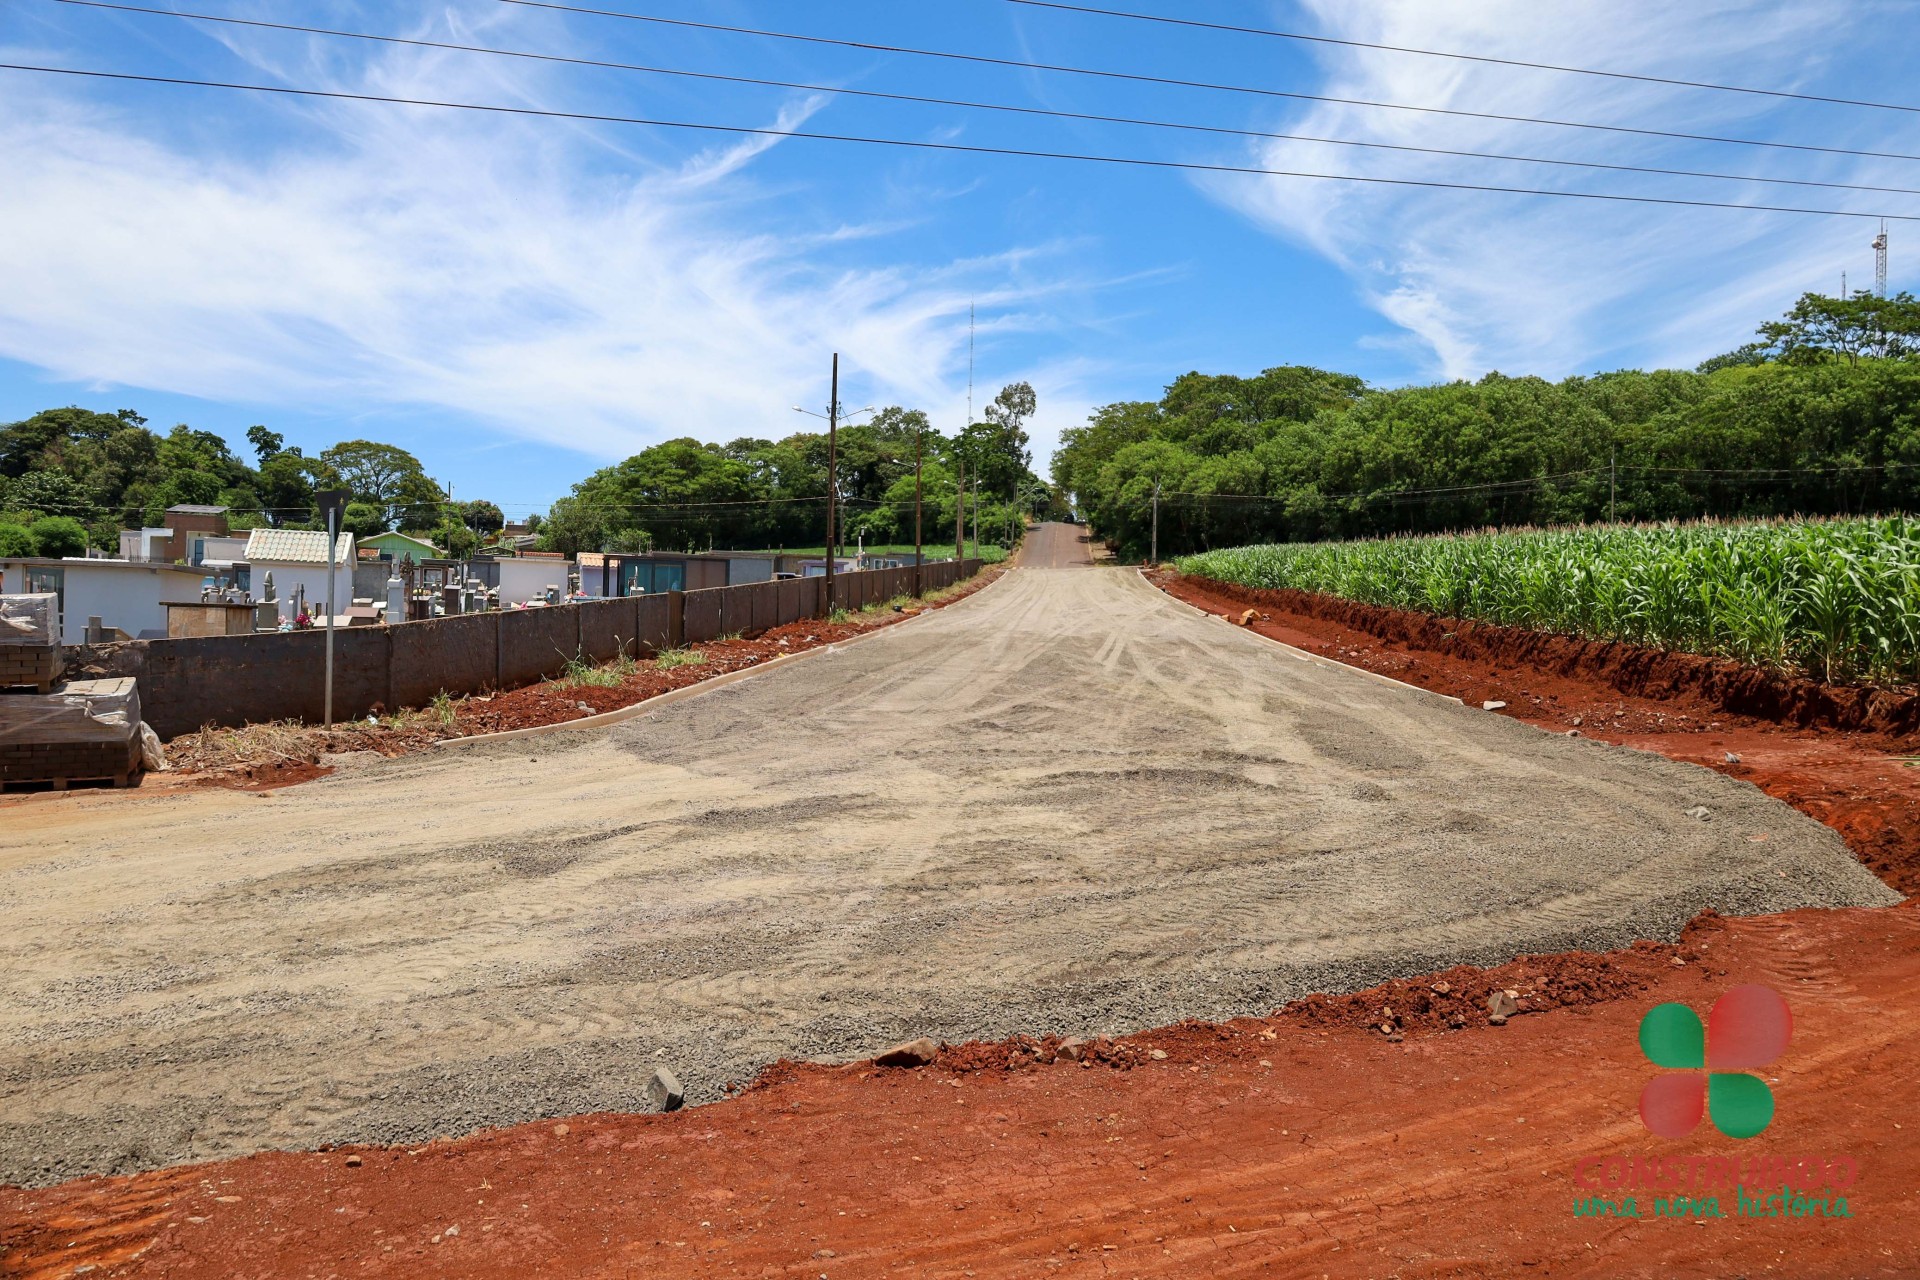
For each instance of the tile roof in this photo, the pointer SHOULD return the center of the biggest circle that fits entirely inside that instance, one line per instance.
(193, 509)
(296, 546)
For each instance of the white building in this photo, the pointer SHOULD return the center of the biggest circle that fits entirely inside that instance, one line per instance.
(528, 578)
(129, 595)
(297, 559)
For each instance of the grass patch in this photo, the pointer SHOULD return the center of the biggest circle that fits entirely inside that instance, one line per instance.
(668, 659)
(583, 672)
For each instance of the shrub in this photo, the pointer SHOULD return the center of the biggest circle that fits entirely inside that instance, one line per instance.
(59, 536)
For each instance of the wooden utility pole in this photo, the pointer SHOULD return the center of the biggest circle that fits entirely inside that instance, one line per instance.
(833, 422)
(917, 553)
(1154, 556)
(976, 511)
(959, 506)
(1613, 476)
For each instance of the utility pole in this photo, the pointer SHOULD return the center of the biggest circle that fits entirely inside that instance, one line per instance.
(917, 553)
(976, 511)
(833, 422)
(1613, 480)
(1154, 556)
(959, 505)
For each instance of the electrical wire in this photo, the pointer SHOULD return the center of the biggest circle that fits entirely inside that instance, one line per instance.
(1168, 20)
(951, 147)
(1137, 78)
(966, 104)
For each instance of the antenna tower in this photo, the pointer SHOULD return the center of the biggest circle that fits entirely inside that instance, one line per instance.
(1880, 261)
(970, 363)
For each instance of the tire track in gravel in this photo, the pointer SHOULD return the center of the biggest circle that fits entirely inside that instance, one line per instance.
(1066, 804)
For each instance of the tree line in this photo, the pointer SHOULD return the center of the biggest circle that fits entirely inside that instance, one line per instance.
(72, 478)
(1820, 416)
(756, 493)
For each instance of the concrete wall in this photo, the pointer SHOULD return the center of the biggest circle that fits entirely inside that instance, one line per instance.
(186, 684)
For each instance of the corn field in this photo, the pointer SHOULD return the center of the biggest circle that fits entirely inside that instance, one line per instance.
(1838, 600)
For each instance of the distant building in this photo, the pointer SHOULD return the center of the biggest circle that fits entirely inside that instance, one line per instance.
(128, 595)
(396, 546)
(524, 577)
(193, 534)
(297, 559)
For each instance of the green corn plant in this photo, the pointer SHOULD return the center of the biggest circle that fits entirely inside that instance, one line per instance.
(1837, 599)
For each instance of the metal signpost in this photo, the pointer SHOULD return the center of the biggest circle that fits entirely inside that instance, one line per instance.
(332, 503)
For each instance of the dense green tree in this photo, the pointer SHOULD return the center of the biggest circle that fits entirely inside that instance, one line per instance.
(1863, 327)
(482, 517)
(364, 519)
(1774, 438)
(49, 493)
(456, 539)
(572, 526)
(111, 471)
(15, 540)
(267, 443)
(58, 536)
(373, 472)
(285, 487)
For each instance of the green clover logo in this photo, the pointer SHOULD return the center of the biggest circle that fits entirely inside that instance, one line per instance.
(1748, 1028)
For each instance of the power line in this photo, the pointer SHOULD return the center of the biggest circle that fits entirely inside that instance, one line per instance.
(971, 105)
(1134, 77)
(953, 147)
(1463, 57)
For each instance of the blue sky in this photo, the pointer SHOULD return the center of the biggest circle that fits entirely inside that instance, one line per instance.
(519, 301)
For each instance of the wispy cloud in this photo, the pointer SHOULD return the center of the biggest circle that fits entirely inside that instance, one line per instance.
(587, 286)
(1553, 286)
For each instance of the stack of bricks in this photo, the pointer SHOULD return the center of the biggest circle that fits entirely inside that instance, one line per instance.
(60, 762)
(35, 665)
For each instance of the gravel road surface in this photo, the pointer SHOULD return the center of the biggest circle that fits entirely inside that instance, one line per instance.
(1067, 804)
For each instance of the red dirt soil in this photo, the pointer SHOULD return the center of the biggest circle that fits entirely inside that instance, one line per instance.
(1838, 755)
(1262, 1147)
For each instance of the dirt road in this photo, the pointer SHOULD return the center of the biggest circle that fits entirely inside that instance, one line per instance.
(1066, 804)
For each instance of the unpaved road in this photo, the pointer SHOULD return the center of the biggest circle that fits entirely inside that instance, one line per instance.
(1068, 803)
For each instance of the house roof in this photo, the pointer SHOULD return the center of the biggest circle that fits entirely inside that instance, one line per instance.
(296, 546)
(394, 535)
(192, 509)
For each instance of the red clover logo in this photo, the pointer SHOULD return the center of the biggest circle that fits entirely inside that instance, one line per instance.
(1748, 1028)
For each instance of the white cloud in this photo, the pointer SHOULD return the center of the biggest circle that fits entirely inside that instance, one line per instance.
(564, 282)
(1554, 286)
